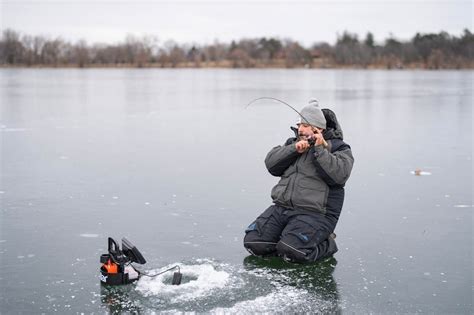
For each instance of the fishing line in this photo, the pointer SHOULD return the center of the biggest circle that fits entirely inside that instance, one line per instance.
(278, 100)
(177, 276)
(159, 273)
(325, 144)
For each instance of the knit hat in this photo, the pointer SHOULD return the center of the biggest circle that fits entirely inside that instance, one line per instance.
(312, 114)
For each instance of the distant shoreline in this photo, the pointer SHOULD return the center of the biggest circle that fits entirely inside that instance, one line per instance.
(229, 68)
(423, 51)
(226, 66)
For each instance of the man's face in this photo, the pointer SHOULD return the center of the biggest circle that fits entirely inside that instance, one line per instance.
(306, 130)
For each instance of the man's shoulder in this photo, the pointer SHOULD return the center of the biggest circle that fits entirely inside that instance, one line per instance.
(290, 140)
(339, 145)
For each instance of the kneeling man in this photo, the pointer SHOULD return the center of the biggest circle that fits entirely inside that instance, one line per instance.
(313, 168)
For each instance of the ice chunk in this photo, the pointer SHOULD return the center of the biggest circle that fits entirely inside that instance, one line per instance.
(419, 172)
(89, 235)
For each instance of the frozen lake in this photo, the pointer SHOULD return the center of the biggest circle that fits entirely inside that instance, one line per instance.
(172, 160)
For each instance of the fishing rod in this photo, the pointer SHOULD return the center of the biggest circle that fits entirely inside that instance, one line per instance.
(278, 100)
(310, 140)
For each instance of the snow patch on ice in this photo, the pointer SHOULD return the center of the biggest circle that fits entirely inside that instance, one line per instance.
(15, 129)
(204, 279)
(89, 235)
(420, 173)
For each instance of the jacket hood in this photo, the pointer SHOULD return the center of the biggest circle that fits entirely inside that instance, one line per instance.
(333, 129)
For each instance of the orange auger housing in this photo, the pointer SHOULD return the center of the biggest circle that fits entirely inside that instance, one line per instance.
(110, 267)
(116, 264)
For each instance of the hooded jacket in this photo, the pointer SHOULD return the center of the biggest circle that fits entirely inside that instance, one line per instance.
(314, 180)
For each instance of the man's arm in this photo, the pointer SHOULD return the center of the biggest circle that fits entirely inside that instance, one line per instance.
(335, 168)
(281, 157)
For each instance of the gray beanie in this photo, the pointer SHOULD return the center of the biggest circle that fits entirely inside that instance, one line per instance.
(313, 115)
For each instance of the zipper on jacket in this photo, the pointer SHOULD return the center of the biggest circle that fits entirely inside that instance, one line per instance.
(294, 181)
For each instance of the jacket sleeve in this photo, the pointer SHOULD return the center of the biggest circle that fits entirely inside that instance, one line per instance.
(281, 157)
(335, 168)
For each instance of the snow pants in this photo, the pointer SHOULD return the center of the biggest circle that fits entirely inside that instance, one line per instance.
(294, 235)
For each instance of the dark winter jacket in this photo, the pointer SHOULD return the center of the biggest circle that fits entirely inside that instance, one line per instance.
(315, 179)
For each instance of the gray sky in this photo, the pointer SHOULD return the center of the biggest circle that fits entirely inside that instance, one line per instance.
(201, 22)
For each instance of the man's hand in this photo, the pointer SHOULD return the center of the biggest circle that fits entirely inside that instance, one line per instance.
(302, 146)
(318, 135)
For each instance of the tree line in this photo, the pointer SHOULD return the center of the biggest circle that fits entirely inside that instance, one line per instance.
(430, 51)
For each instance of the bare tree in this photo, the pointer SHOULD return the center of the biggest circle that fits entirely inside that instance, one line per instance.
(11, 50)
(295, 55)
(51, 52)
(240, 59)
(175, 54)
(81, 54)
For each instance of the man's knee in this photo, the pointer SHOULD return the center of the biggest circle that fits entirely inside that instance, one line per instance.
(289, 251)
(262, 235)
(257, 246)
(303, 239)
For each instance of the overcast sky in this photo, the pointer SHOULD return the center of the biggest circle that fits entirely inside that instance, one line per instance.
(202, 22)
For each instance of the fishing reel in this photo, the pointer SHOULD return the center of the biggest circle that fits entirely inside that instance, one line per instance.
(117, 265)
(311, 139)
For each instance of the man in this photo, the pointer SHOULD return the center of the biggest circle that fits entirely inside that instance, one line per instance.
(308, 199)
